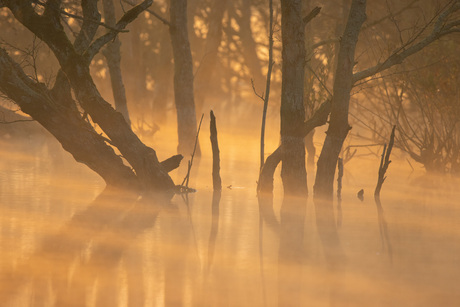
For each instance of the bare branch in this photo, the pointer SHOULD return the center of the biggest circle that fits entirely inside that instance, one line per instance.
(440, 29)
(164, 21)
(319, 118)
(311, 15)
(127, 18)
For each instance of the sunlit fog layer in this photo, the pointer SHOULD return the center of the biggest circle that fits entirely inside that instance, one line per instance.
(68, 241)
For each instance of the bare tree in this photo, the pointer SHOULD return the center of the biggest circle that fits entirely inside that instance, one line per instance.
(57, 111)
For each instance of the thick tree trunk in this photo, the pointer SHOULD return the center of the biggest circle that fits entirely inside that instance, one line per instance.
(183, 78)
(213, 40)
(249, 46)
(339, 127)
(293, 172)
(65, 123)
(48, 28)
(112, 55)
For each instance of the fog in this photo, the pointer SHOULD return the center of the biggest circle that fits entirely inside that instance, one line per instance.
(97, 97)
(68, 240)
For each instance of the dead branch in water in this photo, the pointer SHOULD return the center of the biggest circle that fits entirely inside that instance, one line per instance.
(216, 181)
(384, 163)
(190, 162)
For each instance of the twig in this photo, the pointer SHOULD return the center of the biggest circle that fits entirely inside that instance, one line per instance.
(190, 162)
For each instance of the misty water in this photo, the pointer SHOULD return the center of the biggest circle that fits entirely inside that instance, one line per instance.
(66, 240)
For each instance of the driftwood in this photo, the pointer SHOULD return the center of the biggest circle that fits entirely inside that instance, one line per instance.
(216, 180)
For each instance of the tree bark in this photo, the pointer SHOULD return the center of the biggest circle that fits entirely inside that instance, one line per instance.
(183, 78)
(112, 55)
(48, 28)
(213, 40)
(65, 123)
(163, 79)
(339, 127)
(248, 45)
(293, 173)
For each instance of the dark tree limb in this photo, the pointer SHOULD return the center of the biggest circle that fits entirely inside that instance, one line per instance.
(142, 158)
(171, 163)
(65, 123)
(124, 21)
(163, 20)
(311, 15)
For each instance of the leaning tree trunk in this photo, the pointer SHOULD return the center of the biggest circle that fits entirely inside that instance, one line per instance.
(53, 110)
(112, 55)
(183, 78)
(75, 65)
(293, 173)
(339, 127)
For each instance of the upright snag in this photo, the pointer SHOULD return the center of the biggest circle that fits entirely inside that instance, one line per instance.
(216, 181)
(384, 163)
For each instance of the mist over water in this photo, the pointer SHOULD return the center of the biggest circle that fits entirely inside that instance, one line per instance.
(66, 240)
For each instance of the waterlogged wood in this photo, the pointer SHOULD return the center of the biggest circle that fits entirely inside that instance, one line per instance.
(216, 180)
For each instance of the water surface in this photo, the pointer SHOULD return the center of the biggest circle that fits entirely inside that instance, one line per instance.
(66, 240)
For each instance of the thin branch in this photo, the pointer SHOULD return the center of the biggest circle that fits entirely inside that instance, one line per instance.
(164, 21)
(124, 21)
(311, 15)
(397, 57)
(190, 163)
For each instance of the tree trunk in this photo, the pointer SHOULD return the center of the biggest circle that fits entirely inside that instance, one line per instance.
(48, 28)
(249, 46)
(213, 39)
(112, 55)
(65, 123)
(339, 127)
(183, 78)
(163, 79)
(293, 171)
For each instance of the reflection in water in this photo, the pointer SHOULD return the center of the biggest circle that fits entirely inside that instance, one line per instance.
(79, 264)
(291, 251)
(63, 246)
(384, 237)
(214, 226)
